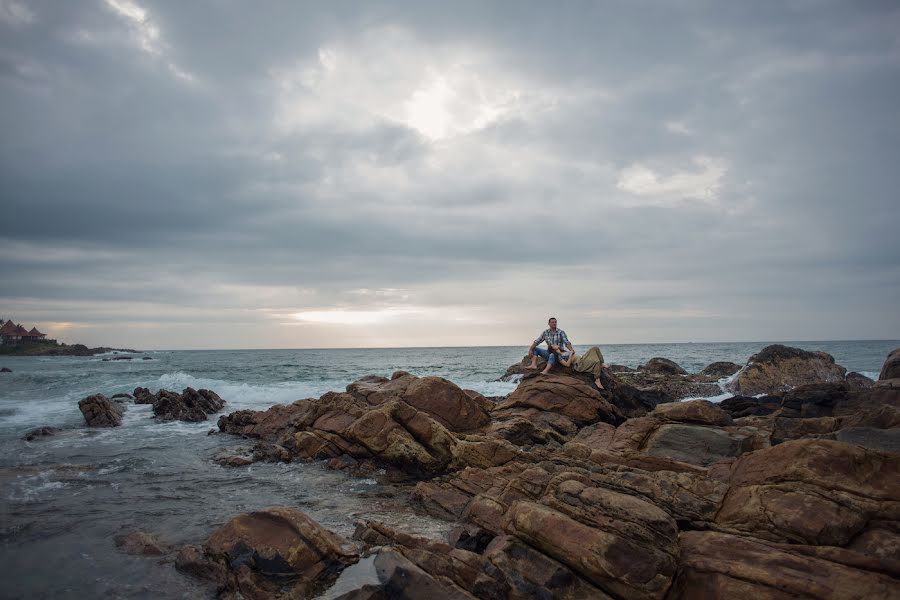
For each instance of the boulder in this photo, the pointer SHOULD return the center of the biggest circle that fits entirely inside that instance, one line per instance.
(779, 368)
(5, 370)
(883, 440)
(268, 553)
(891, 367)
(720, 369)
(40, 432)
(662, 365)
(446, 403)
(100, 411)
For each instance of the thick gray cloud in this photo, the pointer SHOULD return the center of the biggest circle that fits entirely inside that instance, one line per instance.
(211, 174)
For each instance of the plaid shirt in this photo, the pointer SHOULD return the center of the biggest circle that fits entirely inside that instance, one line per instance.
(557, 337)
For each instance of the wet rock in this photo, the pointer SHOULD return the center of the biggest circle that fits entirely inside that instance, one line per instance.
(140, 543)
(122, 396)
(100, 411)
(5, 370)
(891, 367)
(663, 366)
(143, 395)
(779, 368)
(267, 553)
(720, 369)
(40, 432)
(620, 369)
(146, 358)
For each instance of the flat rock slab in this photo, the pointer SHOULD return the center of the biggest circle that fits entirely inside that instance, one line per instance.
(694, 444)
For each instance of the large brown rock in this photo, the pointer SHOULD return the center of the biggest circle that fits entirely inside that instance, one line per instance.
(100, 411)
(447, 403)
(273, 552)
(719, 566)
(818, 492)
(779, 368)
(551, 407)
(891, 367)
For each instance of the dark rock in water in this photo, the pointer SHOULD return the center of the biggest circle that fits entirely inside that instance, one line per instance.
(147, 358)
(142, 395)
(891, 367)
(234, 461)
(191, 405)
(40, 432)
(662, 365)
(140, 543)
(721, 369)
(620, 369)
(120, 358)
(5, 370)
(274, 552)
(779, 368)
(858, 380)
(100, 411)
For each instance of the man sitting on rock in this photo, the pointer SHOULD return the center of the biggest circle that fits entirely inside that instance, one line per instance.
(553, 337)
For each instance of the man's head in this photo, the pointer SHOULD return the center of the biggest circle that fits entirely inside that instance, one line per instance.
(552, 322)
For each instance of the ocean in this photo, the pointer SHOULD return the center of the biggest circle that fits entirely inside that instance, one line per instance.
(63, 499)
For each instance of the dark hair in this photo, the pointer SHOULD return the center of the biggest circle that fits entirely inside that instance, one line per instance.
(551, 319)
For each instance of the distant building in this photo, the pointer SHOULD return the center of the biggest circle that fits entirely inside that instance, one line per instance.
(12, 333)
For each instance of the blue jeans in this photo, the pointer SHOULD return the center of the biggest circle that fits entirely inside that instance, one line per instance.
(550, 357)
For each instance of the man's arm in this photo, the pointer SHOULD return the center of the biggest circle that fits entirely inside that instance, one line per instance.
(536, 342)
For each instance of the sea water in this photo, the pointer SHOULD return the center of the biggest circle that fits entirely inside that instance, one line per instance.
(64, 498)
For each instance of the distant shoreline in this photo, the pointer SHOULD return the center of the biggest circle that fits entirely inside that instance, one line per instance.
(46, 349)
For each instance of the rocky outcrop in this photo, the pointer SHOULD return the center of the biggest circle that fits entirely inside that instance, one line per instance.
(891, 367)
(420, 427)
(100, 411)
(564, 490)
(5, 370)
(190, 405)
(275, 552)
(779, 368)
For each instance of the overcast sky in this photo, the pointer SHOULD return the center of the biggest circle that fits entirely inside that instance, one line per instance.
(230, 174)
